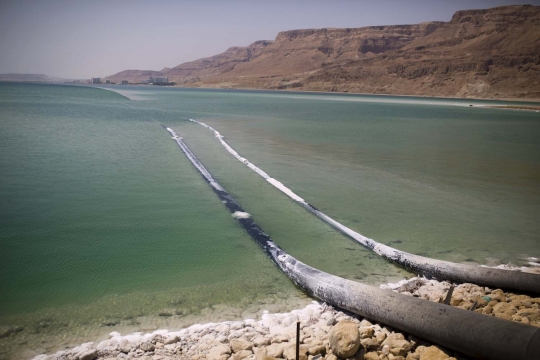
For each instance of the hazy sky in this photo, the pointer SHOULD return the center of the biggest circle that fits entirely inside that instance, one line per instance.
(80, 39)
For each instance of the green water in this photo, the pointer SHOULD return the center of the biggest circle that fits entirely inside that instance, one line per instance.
(105, 226)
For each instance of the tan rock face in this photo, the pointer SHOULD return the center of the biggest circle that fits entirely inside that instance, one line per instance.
(344, 339)
(485, 53)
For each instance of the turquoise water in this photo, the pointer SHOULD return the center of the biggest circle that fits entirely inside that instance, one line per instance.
(105, 226)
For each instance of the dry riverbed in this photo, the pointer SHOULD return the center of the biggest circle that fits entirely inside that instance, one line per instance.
(326, 332)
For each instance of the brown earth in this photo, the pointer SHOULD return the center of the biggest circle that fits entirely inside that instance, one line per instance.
(489, 53)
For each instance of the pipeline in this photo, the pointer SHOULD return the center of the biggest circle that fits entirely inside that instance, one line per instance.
(470, 333)
(431, 268)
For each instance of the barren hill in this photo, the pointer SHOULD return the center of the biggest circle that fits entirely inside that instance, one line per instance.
(479, 53)
(30, 78)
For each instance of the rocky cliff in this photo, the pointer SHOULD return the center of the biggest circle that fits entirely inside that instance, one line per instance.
(479, 53)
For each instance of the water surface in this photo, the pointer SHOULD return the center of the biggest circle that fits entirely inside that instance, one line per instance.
(105, 226)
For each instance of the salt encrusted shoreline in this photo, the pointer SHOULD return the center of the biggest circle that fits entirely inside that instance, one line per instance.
(274, 335)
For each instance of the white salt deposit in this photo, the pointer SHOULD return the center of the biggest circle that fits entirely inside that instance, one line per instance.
(241, 215)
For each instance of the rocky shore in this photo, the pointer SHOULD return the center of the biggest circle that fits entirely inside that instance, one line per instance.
(325, 332)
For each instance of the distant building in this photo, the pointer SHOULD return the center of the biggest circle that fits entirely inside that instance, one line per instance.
(107, 81)
(158, 80)
(125, 82)
(96, 80)
(161, 80)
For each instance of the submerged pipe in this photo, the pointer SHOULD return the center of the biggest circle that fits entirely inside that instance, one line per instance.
(431, 268)
(470, 333)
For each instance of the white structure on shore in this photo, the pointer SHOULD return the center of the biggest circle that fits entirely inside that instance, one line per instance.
(159, 80)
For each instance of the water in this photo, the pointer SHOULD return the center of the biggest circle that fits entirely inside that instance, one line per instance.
(105, 225)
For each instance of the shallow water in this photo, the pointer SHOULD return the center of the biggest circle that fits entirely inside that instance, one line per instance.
(106, 226)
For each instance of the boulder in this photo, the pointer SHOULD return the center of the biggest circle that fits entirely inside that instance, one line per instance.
(172, 340)
(531, 314)
(240, 344)
(124, 346)
(504, 308)
(261, 354)
(146, 346)
(372, 355)
(434, 353)
(344, 339)
(397, 344)
(241, 355)
(279, 339)
(276, 349)
(220, 352)
(370, 344)
(89, 355)
(289, 352)
(261, 341)
(366, 332)
(380, 337)
(317, 350)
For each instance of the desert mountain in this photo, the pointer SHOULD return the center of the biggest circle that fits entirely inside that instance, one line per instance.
(479, 53)
(30, 78)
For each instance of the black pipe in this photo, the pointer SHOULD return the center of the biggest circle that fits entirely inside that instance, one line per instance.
(470, 333)
(431, 268)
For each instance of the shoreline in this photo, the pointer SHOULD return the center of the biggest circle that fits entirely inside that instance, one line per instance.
(523, 100)
(273, 335)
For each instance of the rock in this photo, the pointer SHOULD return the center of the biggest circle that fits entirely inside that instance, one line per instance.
(219, 352)
(261, 341)
(366, 332)
(370, 344)
(276, 349)
(344, 339)
(240, 344)
(433, 353)
(331, 322)
(316, 350)
(147, 346)
(172, 340)
(372, 355)
(504, 308)
(241, 355)
(531, 314)
(170, 347)
(89, 355)
(279, 339)
(124, 346)
(223, 328)
(365, 323)
(380, 337)
(260, 354)
(107, 345)
(289, 352)
(487, 310)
